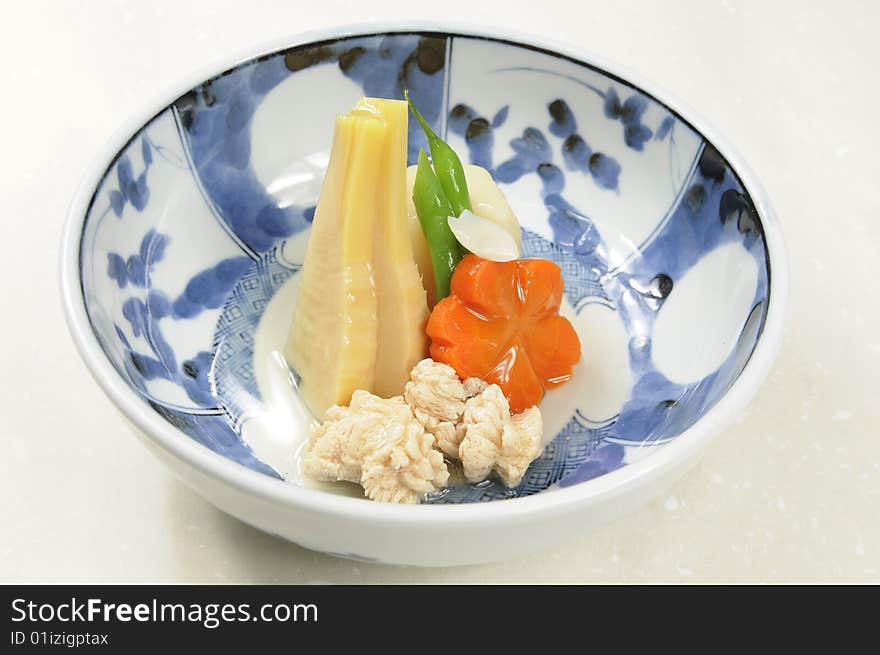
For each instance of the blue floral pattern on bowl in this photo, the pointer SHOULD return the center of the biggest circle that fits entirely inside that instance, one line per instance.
(181, 248)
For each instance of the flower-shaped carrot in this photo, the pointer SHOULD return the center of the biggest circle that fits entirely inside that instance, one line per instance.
(501, 323)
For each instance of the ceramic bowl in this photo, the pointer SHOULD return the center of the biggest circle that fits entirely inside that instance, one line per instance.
(195, 216)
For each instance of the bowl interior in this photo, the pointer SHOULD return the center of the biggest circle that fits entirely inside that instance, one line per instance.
(195, 235)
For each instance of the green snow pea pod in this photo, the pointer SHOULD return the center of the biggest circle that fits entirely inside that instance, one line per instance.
(447, 166)
(434, 209)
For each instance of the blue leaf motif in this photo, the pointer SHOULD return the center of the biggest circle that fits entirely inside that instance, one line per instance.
(479, 140)
(209, 288)
(131, 190)
(135, 311)
(576, 153)
(612, 106)
(137, 271)
(139, 266)
(138, 192)
(500, 116)
(136, 268)
(153, 246)
(117, 202)
(124, 174)
(229, 271)
(146, 151)
(635, 135)
(605, 170)
(149, 367)
(116, 269)
(664, 128)
(510, 171)
(184, 308)
(552, 179)
(563, 123)
(532, 146)
(158, 304)
(633, 108)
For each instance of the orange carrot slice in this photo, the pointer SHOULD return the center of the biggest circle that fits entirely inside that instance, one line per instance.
(501, 323)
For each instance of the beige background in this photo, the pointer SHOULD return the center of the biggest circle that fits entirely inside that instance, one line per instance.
(791, 493)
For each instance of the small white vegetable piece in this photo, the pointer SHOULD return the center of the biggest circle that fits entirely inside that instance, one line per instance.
(495, 440)
(379, 444)
(487, 201)
(483, 237)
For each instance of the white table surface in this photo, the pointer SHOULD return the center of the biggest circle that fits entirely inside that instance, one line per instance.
(790, 493)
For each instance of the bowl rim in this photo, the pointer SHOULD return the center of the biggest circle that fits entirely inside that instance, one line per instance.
(558, 501)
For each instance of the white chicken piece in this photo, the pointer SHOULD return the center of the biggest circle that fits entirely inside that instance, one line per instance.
(520, 445)
(437, 397)
(378, 444)
(495, 440)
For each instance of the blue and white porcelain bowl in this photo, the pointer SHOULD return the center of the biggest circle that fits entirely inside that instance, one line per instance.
(193, 218)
